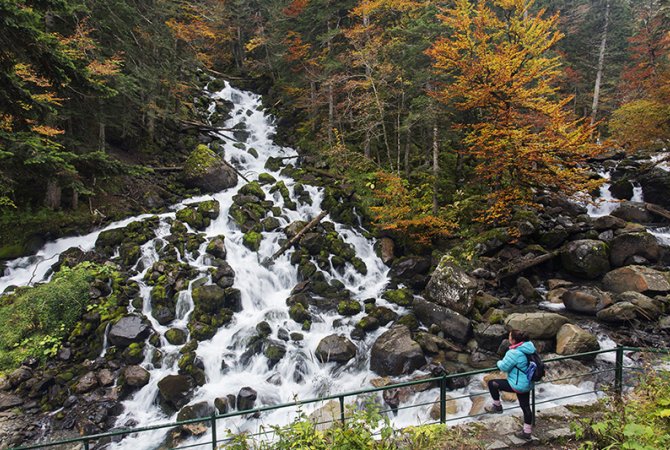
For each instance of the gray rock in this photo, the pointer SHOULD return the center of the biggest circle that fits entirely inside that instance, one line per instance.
(86, 383)
(539, 325)
(633, 212)
(527, 290)
(246, 398)
(489, 337)
(628, 245)
(136, 376)
(335, 348)
(451, 287)
(175, 390)
(9, 401)
(217, 247)
(453, 324)
(395, 353)
(586, 300)
(636, 278)
(647, 308)
(195, 411)
(655, 186)
(618, 312)
(586, 258)
(572, 339)
(127, 330)
(604, 223)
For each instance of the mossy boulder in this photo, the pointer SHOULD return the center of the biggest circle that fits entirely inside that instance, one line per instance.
(266, 178)
(205, 170)
(586, 258)
(254, 188)
(401, 297)
(348, 307)
(175, 336)
(274, 351)
(299, 313)
(252, 240)
(217, 247)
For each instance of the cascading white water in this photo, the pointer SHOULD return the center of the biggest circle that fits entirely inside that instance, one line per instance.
(264, 289)
(605, 204)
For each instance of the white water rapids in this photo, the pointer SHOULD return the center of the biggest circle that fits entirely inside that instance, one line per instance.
(263, 291)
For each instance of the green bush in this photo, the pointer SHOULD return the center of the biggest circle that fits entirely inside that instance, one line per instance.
(34, 321)
(639, 421)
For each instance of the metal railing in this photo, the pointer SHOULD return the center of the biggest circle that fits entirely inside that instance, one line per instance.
(441, 382)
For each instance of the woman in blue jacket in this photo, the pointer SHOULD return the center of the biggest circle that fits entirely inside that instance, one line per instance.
(515, 364)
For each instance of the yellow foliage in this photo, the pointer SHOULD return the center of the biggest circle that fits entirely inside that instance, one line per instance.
(48, 131)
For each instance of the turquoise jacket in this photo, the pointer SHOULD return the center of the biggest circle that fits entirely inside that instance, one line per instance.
(515, 364)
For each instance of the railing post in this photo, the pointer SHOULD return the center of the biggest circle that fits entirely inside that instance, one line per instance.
(532, 403)
(85, 444)
(618, 371)
(443, 399)
(214, 438)
(342, 409)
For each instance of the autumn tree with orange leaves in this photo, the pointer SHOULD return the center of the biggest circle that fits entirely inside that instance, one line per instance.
(496, 59)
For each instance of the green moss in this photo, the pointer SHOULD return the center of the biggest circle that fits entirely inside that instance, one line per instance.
(199, 161)
(348, 307)
(298, 313)
(401, 297)
(266, 178)
(409, 321)
(252, 240)
(253, 188)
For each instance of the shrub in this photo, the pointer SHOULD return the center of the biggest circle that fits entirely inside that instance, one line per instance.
(34, 321)
(641, 421)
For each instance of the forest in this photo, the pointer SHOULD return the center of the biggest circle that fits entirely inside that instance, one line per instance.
(449, 113)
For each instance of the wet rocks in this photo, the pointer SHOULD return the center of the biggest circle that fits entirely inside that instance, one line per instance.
(9, 401)
(217, 247)
(135, 377)
(274, 351)
(625, 246)
(198, 410)
(199, 215)
(647, 308)
(451, 287)
(86, 383)
(395, 353)
(246, 398)
(175, 391)
(489, 337)
(335, 348)
(586, 258)
(618, 313)
(586, 300)
(175, 336)
(655, 186)
(454, 325)
(636, 278)
(401, 297)
(538, 325)
(205, 170)
(572, 339)
(127, 330)
(633, 212)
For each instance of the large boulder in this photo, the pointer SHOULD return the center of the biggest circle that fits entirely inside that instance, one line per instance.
(636, 278)
(198, 410)
(135, 376)
(489, 337)
(395, 353)
(454, 325)
(655, 186)
(246, 398)
(618, 312)
(335, 348)
(624, 246)
(586, 258)
(127, 330)
(586, 300)
(205, 170)
(9, 401)
(451, 287)
(633, 212)
(538, 325)
(175, 390)
(572, 339)
(647, 308)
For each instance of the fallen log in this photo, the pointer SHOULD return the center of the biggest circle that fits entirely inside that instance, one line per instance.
(236, 171)
(519, 267)
(324, 173)
(298, 236)
(659, 211)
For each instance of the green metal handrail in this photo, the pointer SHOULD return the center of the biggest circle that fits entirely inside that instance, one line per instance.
(442, 384)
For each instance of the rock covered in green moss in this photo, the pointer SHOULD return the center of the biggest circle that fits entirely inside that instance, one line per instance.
(205, 170)
(401, 297)
(252, 240)
(175, 336)
(216, 247)
(348, 307)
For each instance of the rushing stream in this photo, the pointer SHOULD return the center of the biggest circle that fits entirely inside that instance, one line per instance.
(264, 289)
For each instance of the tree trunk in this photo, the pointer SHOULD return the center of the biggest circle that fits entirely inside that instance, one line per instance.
(331, 114)
(408, 144)
(75, 199)
(53, 195)
(601, 63)
(366, 144)
(436, 168)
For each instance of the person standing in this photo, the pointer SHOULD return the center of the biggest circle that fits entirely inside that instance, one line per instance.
(515, 365)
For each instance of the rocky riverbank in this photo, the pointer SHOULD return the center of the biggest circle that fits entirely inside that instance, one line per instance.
(566, 278)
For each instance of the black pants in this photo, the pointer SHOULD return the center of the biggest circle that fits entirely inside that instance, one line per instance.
(495, 386)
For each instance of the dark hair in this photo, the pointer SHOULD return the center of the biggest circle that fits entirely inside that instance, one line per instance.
(519, 336)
